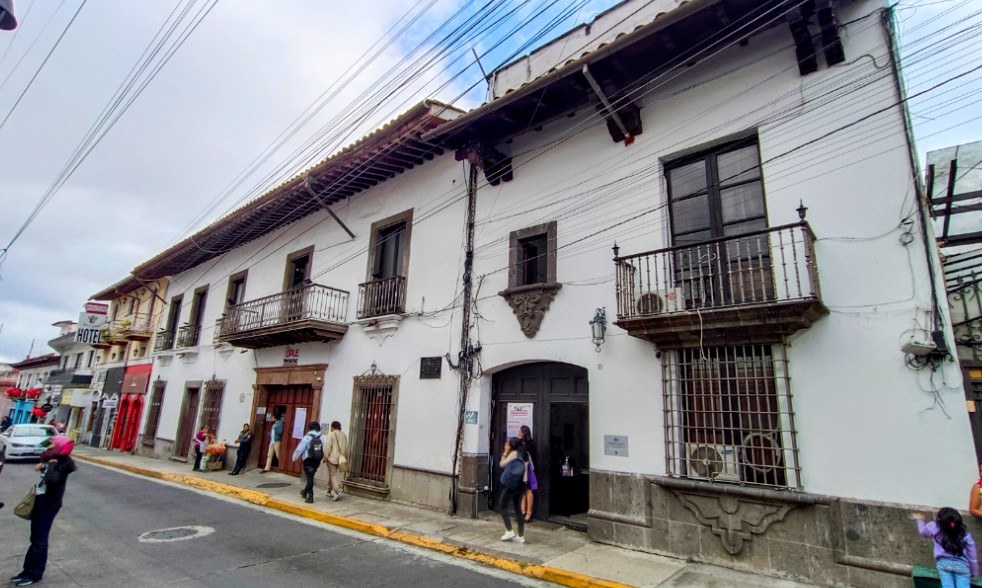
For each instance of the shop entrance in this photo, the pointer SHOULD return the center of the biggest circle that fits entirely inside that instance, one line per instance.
(293, 404)
(552, 399)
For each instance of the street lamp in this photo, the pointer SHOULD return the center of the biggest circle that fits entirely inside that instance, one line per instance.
(598, 327)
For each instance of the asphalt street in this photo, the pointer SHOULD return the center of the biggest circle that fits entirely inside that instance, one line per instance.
(96, 541)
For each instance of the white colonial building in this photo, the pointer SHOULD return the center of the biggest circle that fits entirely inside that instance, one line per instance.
(726, 186)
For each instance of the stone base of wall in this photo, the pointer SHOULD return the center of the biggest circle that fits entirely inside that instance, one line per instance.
(420, 488)
(472, 485)
(159, 449)
(810, 538)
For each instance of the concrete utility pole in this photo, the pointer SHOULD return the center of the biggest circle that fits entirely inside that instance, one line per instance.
(474, 161)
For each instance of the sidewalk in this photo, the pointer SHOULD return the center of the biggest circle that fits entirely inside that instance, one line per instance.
(552, 553)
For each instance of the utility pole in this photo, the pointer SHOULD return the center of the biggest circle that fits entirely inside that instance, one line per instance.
(474, 160)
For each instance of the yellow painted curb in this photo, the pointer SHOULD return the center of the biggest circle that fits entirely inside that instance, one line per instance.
(548, 573)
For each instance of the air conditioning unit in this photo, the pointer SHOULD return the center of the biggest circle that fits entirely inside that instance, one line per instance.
(707, 461)
(661, 301)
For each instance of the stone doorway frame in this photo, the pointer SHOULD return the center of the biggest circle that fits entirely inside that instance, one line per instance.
(293, 375)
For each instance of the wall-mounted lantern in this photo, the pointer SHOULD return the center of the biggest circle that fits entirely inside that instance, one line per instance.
(598, 327)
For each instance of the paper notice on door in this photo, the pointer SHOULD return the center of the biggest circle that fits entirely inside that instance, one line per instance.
(519, 413)
(299, 422)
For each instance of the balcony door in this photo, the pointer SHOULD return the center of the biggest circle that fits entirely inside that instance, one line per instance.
(713, 196)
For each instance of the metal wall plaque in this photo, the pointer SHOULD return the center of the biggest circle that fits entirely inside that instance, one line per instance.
(615, 445)
(430, 368)
(470, 417)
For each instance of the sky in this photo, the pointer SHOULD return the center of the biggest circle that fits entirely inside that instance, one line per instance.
(241, 78)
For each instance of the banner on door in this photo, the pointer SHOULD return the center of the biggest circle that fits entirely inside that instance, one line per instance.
(299, 422)
(519, 413)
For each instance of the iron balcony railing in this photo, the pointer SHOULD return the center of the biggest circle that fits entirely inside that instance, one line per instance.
(382, 297)
(164, 340)
(310, 302)
(770, 265)
(187, 335)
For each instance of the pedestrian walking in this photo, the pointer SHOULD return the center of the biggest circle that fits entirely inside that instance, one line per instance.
(201, 441)
(954, 548)
(311, 451)
(512, 488)
(55, 467)
(5, 423)
(275, 435)
(336, 458)
(531, 482)
(242, 453)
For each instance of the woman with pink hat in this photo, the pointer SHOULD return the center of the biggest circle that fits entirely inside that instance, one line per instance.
(55, 467)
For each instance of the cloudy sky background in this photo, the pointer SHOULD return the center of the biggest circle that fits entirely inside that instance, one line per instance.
(241, 78)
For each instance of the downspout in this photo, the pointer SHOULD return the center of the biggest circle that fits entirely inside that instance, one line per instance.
(889, 28)
(474, 162)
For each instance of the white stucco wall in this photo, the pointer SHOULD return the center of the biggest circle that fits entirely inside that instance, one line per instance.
(866, 427)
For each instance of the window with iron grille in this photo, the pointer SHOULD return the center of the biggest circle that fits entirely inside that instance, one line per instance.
(373, 418)
(153, 414)
(212, 407)
(728, 416)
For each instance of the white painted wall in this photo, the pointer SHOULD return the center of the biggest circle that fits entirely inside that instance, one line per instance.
(866, 427)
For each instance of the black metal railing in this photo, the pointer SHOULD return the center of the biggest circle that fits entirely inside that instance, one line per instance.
(311, 302)
(187, 335)
(381, 297)
(164, 340)
(770, 265)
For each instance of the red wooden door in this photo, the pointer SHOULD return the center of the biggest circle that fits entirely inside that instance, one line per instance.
(294, 403)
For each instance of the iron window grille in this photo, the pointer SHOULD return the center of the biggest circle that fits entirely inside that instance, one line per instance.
(153, 414)
(728, 416)
(373, 419)
(212, 407)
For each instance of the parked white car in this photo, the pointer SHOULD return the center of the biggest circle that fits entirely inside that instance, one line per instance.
(25, 441)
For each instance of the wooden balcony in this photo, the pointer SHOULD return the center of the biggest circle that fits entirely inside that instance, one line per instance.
(755, 287)
(382, 297)
(309, 313)
(136, 328)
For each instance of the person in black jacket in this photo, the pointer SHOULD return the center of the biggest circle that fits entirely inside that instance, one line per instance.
(245, 446)
(55, 467)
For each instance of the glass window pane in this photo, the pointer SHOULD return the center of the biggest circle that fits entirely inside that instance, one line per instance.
(692, 238)
(688, 179)
(746, 201)
(744, 227)
(691, 214)
(738, 166)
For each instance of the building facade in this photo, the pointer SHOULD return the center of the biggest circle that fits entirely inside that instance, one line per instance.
(674, 244)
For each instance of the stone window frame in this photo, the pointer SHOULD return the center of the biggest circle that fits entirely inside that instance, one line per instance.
(380, 225)
(548, 229)
(530, 302)
(288, 267)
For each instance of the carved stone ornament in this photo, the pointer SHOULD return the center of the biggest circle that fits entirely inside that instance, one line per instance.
(530, 303)
(735, 520)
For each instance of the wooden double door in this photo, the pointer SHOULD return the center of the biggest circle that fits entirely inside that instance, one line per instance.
(554, 397)
(293, 405)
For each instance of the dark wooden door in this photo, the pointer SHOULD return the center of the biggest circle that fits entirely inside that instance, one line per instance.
(294, 404)
(559, 396)
(189, 412)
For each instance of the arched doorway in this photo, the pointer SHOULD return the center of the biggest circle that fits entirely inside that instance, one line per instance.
(553, 399)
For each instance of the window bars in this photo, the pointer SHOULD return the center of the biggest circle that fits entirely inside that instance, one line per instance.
(728, 416)
(372, 429)
(212, 408)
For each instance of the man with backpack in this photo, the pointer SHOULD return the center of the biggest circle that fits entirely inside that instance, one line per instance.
(311, 451)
